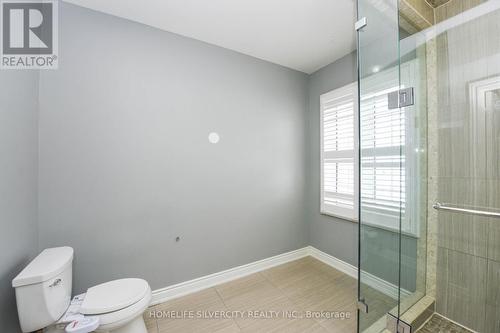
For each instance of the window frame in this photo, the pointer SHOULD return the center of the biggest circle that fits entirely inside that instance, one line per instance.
(340, 212)
(411, 225)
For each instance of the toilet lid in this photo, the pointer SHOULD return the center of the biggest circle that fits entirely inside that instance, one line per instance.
(113, 296)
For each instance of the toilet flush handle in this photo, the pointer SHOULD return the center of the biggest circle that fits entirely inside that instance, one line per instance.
(55, 283)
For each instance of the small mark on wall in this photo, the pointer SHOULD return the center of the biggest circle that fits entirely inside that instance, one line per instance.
(213, 138)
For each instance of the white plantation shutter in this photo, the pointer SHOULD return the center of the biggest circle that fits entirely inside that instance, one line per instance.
(339, 152)
(382, 160)
(389, 163)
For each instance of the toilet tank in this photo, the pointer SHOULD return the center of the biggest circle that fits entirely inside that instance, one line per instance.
(43, 288)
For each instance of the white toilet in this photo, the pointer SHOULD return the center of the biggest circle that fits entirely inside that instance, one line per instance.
(43, 295)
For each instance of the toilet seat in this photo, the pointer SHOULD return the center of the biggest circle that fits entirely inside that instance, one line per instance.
(130, 303)
(113, 296)
(116, 302)
(110, 321)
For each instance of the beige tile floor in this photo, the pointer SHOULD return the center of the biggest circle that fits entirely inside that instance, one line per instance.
(285, 297)
(282, 295)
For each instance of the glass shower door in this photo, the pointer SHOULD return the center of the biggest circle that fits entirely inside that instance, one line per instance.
(381, 167)
(392, 133)
(429, 171)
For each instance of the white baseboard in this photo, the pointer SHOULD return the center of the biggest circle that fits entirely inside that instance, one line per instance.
(383, 286)
(371, 280)
(336, 263)
(191, 286)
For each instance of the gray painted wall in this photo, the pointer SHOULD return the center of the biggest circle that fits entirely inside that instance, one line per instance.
(18, 184)
(332, 235)
(125, 164)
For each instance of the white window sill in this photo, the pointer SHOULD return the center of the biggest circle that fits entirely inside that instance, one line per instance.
(373, 225)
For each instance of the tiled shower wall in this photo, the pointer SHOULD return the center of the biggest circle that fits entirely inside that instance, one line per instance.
(468, 256)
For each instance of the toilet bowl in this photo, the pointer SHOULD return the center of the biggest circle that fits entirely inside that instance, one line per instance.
(119, 305)
(43, 295)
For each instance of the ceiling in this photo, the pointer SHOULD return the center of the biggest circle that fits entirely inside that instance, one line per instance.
(300, 34)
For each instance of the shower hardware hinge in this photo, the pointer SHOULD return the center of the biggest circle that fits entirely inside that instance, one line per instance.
(401, 98)
(395, 325)
(360, 24)
(362, 306)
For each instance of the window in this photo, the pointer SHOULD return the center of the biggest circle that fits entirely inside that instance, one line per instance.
(382, 161)
(339, 152)
(389, 165)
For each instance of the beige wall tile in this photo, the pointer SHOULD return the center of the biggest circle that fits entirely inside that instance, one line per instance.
(461, 288)
(493, 298)
(494, 240)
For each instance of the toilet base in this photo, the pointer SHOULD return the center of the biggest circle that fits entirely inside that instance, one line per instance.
(54, 329)
(135, 326)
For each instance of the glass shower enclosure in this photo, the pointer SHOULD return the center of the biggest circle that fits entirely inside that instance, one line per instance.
(429, 165)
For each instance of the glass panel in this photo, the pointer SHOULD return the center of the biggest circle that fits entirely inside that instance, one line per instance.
(382, 161)
(464, 143)
(413, 73)
(444, 148)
